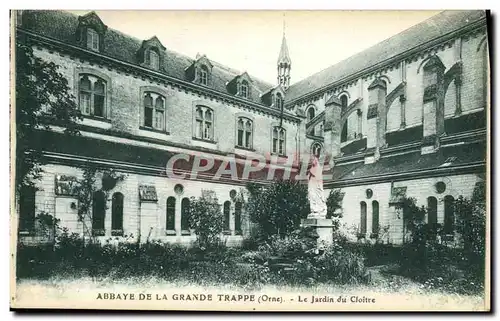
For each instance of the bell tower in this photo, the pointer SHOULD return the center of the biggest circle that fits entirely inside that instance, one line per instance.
(284, 63)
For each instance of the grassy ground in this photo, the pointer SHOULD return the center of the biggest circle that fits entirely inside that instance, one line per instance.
(395, 293)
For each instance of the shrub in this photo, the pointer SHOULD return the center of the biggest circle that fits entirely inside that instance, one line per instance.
(278, 208)
(334, 204)
(206, 218)
(340, 265)
(471, 225)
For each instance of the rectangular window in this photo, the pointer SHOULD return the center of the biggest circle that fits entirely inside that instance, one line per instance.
(148, 117)
(154, 60)
(95, 43)
(248, 139)
(199, 129)
(240, 137)
(98, 105)
(282, 147)
(208, 130)
(92, 39)
(85, 103)
(275, 145)
(159, 116)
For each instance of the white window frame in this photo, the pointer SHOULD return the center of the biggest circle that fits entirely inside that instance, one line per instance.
(92, 93)
(92, 39)
(246, 142)
(207, 126)
(156, 110)
(281, 137)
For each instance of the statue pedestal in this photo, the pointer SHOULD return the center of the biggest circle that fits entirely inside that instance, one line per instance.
(324, 228)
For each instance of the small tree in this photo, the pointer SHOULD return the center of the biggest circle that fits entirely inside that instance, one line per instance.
(42, 96)
(85, 193)
(206, 219)
(333, 205)
(278, 208)
(470, 219)
(413, 219)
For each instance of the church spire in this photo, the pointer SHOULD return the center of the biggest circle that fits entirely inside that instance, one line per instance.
(284, 62)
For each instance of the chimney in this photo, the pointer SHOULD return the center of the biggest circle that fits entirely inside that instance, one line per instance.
(433, 111)
(332, 129)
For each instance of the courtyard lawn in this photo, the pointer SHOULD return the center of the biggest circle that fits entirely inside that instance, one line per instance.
(394, 293)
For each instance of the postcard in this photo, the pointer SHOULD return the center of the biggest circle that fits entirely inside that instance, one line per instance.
(250, 160)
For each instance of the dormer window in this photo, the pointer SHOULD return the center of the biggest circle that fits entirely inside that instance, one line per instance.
(204, 75)
(278, 101)
(90, 32)
(244, 89)
(200, 71)
(151, 54)
(92, 39)
(240, 86)
(154, 59)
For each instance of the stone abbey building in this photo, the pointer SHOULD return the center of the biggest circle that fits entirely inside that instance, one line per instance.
(404, 118)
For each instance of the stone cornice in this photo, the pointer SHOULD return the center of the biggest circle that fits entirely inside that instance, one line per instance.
(141, 72)
(409, 54)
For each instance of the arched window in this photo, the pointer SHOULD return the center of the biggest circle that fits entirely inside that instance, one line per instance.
(362, 229)
(154, 111)
(432, 216)
(117, 214)
(170, 221)
(343, 134)
(244, 89)
(204, 75)
(92, 39)
(227, 213)
(311, 112)
(204, 123)
(278, 101)
(92, 95)
(343, 101)
(98, 213)
(185, 215)
(154, 59)
(27, 209)
(316, 149)
(237, 217)
(279, 136)
(375, 218)
(449, 215)
(244, 138)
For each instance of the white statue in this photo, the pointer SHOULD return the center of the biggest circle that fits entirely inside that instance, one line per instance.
(315, 190)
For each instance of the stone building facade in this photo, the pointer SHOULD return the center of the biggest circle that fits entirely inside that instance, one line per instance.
(406, 117)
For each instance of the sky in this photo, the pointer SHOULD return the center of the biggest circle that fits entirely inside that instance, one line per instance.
(250, 40)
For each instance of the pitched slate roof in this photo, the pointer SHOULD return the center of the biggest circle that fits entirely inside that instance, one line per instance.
(62, 26)
(447, 156)
(438, 25)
